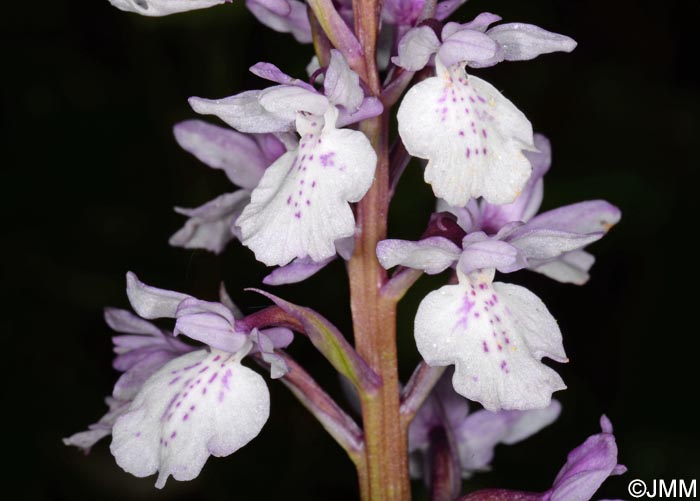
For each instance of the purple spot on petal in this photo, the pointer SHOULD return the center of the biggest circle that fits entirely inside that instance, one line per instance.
(486, 347)
(185, 417)
(173, 435)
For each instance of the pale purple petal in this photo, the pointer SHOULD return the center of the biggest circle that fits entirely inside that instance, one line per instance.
(281, 337)
(583, 217)
(432, 255)
(467, 46)
(126, 322)
(341, 84)
(269, 71)
(571, 267)
(238, 155)
(284, 16)
(416, 48)
(587, 467)
(151, 302)
(481, 22)
(402, 12)
(370, 107)
(298, 270)
(543, 244)
(163, 7)
(264, 345)
(521, 42)
(243, 112)
(210, 226)
(286, 100)
(210, 323)
(481, 252)
(225, 299)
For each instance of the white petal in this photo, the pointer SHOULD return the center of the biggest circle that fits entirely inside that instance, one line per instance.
(198, 405)
(243, 112)
(286, 100)
(416, 48)
(300, 208)
(151, 302)
(432, 255)
(523, 424)
(495, 335)
(570, 268)
(472, 137)
(162, 7)
(341, 84)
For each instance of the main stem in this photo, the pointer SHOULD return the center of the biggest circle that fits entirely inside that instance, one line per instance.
(374, 319)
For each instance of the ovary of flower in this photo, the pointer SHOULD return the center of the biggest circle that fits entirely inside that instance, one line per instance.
(471, 135)
(300, 208)
(495, 334)
(200, 404)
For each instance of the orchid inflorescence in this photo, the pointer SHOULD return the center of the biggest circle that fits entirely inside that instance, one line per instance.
(315, 177)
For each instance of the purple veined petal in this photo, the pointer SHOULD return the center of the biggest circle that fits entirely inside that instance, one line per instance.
(210, 323)
(150, 302)
(416, 48)
(210, 225)
(446, 8)
(460, 124)
(543, 244)
(289, 213)
(495, 335)
(342, 85)
(163, 7)
(494, 217)
(432, 255)
(587, 467)
(238, 155)
(297, 271)
(481, 252)
(466, 46)
(197, 405)
(284, 16)
(521, 42)
(269, 71)
(243, 112)
(86, 439)
(126, 322)
(286, 100)
(584, 217)
(569, 268)
(370, 107)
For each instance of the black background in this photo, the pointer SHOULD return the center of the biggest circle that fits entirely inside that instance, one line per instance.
(90, 172)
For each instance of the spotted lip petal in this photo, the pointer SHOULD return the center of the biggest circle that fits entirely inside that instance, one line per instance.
(198, 405)
(472, 137)
(300, 207)
(495, 335)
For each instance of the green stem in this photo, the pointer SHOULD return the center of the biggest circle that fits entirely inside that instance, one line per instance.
(374, 320)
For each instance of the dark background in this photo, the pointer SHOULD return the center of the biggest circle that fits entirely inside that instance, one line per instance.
(91, 171)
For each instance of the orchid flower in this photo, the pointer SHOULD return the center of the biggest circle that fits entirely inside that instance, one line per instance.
(511, 237)
(300, 207)
(586, 468)
(175, 404)
(244, 158)
(472, 136)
